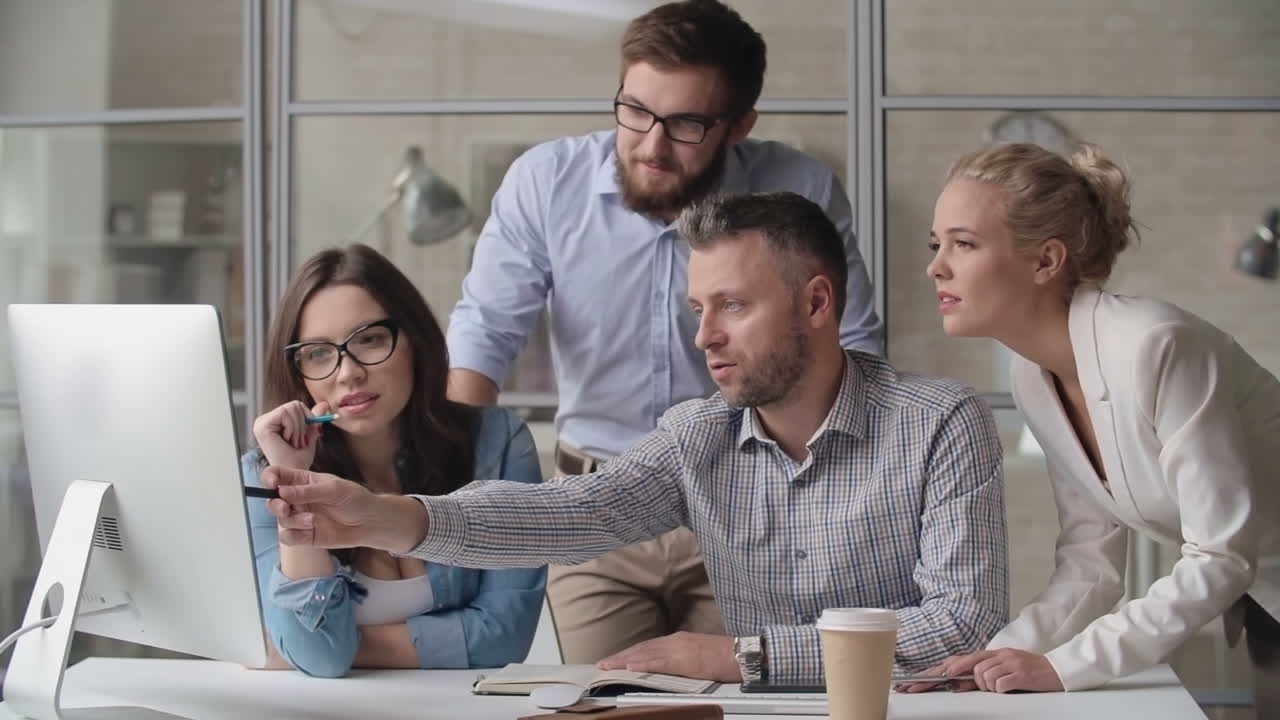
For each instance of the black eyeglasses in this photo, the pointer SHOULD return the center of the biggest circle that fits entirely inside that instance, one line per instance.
(683, 128)
(370, 345)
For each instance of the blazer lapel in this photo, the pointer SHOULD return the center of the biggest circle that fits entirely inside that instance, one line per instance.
(1053, 430)
(1087, 344)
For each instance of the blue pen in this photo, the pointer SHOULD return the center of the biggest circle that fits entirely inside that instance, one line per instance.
(316, 420)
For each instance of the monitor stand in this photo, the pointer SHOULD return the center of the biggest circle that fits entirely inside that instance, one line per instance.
(33, 685)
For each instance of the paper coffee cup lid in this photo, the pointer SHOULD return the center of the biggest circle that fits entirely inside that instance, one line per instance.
(857, 619)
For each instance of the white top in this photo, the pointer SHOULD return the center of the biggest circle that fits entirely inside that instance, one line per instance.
(1188, 429)
(392, 601)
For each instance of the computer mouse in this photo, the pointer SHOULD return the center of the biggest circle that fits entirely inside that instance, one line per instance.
(559, 695)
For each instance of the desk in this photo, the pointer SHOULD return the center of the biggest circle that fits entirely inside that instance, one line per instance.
(213, 690)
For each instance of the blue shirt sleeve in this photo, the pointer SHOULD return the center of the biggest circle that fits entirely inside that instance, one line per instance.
(497, 625)
(510, 276)
(310, 621)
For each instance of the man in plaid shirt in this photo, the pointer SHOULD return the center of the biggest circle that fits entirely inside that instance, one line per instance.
(817, 477)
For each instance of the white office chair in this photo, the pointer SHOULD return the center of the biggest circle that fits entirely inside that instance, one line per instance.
(545, 649)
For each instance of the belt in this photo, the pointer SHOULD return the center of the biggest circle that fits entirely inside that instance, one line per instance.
(571, 461)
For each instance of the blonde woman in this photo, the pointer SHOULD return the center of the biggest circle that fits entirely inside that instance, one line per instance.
(1150, 419)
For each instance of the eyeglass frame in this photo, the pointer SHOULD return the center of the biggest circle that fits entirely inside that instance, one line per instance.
(291, 350)
(708, 122)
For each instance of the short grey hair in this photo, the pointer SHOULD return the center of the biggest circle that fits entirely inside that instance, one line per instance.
(795, 228)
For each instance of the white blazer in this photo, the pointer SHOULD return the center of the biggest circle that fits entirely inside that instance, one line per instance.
(1188, 429)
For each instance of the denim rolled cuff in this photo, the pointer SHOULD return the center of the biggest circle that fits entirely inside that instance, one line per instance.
(310, 598)
(440, 641)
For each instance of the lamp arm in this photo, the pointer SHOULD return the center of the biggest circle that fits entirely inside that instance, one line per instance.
(375, 218)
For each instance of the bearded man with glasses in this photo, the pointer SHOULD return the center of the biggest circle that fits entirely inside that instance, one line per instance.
(585, 226)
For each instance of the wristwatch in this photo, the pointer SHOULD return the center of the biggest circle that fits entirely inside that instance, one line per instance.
(749, 652)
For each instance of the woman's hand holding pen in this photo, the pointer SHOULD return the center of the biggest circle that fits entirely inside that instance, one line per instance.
(288, 437)
(288, 434)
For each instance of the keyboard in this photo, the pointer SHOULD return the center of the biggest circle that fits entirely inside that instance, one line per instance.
(753, 704)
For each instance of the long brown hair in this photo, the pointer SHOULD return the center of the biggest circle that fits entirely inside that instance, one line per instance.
(437, 435)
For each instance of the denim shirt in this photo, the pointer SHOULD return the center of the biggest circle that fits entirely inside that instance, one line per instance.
(479, 618)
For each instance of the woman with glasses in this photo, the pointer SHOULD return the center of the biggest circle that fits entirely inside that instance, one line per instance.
(353, 337)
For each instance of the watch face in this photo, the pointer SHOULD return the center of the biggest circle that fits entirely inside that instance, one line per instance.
(1033, 127)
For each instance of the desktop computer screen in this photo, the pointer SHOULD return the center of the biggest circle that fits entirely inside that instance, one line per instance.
(131, 444)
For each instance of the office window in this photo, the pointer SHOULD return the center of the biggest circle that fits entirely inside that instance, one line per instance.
(125, 214)
(90, 55)
(520, 50)
(1088, 47)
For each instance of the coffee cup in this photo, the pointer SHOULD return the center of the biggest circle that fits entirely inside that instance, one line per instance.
(857, 656)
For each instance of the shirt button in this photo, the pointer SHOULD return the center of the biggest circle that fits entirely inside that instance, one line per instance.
(800, 554)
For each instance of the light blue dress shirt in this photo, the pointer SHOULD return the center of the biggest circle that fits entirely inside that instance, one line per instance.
(616, 283)
(479, 618)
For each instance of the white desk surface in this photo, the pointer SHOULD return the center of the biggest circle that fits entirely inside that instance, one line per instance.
(206, 689)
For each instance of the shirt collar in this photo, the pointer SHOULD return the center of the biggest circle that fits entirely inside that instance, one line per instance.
(605, 179)
(848, 414)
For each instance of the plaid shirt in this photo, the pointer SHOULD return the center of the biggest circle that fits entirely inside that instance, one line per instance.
(899, 505)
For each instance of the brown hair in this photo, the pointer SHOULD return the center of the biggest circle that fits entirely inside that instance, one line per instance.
(700, 33)
(437, 434)
(1082, 200)
(795, 228)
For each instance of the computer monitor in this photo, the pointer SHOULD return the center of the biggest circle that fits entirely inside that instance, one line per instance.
(127, 415)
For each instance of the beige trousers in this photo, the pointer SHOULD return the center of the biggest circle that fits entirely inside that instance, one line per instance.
(631, 594)
(635, 593)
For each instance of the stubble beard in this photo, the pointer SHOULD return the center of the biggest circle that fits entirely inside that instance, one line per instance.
(777, 373)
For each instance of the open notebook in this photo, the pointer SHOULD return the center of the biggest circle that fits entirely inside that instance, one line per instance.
(521, 679)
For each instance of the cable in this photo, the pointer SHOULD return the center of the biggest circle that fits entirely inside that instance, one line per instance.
(13, 638)
(46, 622)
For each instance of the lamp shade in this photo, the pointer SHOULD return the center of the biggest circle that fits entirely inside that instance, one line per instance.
(433, 208)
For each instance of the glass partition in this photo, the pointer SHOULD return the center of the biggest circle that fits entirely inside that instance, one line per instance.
(484, 49)
(1087, 47)
(92, 55)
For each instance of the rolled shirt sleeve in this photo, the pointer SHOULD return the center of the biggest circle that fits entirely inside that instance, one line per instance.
(510, 276)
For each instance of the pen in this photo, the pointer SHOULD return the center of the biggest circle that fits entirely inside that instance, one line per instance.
(909, 679)
(316, 420)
